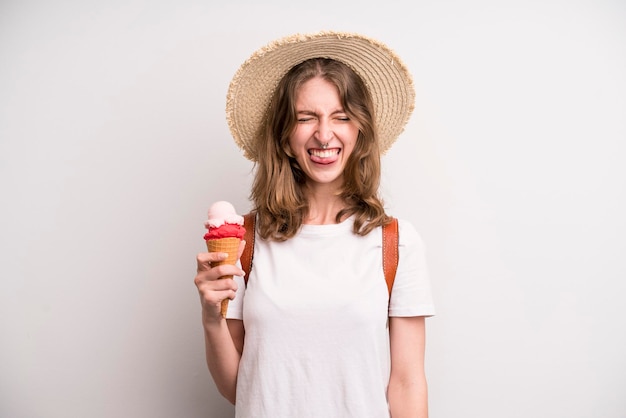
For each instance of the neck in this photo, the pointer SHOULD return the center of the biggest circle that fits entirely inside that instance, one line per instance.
(323, 207)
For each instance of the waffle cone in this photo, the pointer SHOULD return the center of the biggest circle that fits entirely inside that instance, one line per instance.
(231, 247)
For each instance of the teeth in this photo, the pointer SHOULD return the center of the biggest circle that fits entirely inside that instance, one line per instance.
(324, 153)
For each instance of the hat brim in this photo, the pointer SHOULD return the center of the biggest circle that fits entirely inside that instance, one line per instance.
(385, 75)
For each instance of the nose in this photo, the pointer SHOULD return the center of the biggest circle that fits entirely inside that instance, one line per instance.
(324, 131)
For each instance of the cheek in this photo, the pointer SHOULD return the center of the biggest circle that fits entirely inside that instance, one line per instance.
(290, 145)
(297, 140)
(354, 138)
(294, 147)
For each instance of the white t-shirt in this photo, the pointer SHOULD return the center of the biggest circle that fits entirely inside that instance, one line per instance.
(315, 313)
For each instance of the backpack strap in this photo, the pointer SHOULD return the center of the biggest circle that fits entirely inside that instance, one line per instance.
(390, 249)
(248, 251)
(390, 252)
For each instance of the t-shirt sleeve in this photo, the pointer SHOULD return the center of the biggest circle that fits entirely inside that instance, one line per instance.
(411, 294)
(235, 306)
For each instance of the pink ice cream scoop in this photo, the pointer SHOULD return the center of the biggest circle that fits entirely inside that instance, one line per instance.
(223, 222)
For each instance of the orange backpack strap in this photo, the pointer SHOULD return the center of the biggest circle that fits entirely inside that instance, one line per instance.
(248, 251)
(390, 252)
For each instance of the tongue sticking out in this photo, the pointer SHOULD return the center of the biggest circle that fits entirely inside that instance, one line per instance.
(327, 156)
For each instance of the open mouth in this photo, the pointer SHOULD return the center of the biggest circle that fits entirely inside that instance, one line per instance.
(324, 156)
(324, 153)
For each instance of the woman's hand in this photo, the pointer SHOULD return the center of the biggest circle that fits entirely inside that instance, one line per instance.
(211, 288)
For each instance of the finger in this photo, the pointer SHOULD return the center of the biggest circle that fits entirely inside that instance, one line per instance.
(227, 270)
(212, 274)
(215, 298)
(225, 284)
(209, 288)
(204, 260)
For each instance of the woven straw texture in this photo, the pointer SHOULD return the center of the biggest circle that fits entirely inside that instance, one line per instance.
(384, 74)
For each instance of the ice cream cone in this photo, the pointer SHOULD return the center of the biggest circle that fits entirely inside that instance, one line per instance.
(230, 246)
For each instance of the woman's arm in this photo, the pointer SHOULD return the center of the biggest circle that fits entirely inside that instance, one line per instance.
(223, 338)
(408, 392)
(223, 344)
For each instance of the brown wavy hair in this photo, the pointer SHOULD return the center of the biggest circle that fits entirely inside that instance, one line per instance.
(279, 182)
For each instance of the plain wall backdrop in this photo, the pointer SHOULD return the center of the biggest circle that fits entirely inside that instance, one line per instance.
(113, 142)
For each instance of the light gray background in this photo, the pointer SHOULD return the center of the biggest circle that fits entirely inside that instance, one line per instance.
(113, 142)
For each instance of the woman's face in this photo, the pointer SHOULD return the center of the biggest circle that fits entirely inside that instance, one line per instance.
(322, 120)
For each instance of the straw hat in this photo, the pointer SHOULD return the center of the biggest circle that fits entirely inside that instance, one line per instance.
(384, 74)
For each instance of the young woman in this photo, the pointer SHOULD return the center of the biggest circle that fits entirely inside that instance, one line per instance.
(314, 332)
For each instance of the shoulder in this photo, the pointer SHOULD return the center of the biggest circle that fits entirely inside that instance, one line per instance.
(408, 234)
